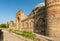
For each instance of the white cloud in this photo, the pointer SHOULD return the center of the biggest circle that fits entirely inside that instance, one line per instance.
(40, 4)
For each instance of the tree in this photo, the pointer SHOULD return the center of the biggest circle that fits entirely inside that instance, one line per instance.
(4, 25)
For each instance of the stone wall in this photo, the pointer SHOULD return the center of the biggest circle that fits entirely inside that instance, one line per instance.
(53, 18)
(24, 23)
(32, 23)
(19, 17)
(40, 21)
(27, 25)
(12, 25)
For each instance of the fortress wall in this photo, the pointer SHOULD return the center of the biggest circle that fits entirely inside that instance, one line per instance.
(12, 25)
(40, 23)
(27, 25)
(53, 18)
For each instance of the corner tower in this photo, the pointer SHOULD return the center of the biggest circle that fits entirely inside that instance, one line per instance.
(53, 18)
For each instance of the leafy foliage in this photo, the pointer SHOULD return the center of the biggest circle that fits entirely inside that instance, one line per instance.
(4, 25)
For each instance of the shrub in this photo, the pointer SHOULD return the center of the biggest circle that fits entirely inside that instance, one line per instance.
(4, 25)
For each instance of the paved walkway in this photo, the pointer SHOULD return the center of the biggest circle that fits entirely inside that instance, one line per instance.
(10, 37)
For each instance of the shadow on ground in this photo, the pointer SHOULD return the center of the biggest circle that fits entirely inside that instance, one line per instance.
(1, 36)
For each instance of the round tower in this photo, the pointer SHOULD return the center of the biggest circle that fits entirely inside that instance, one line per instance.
(53, 18)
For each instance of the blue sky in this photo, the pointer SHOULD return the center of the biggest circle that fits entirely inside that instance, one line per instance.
(9, 8)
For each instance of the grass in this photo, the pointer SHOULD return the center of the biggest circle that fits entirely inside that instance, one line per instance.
(25, 34)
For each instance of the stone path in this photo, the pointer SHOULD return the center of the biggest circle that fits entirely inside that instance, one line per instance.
(9, 37)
